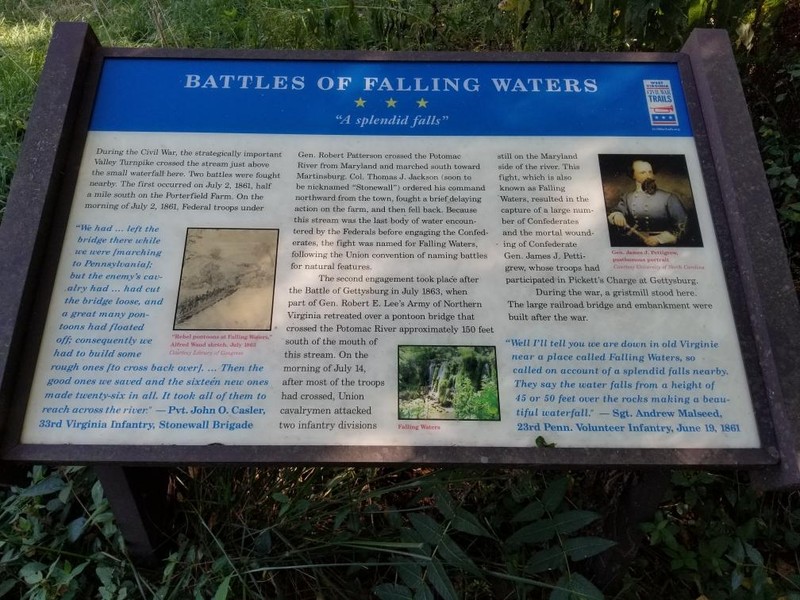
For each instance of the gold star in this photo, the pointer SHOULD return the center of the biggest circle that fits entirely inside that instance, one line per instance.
(391, 103)
(422, 103)
(360, 103)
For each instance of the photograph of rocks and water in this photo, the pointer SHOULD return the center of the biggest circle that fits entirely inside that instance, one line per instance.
(448, 382)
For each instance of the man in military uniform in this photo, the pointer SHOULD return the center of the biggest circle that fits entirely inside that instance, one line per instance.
(655, 216)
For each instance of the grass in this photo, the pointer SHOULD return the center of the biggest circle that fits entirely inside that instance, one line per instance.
(389, 532)
(22, 51)
(312, 532)
(308, 533)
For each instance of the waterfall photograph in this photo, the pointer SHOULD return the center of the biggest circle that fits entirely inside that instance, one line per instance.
(448, 382)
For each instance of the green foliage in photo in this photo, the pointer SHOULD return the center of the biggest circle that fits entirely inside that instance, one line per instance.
(448, 382)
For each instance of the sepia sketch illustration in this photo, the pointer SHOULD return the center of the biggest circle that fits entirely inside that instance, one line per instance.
(227, 279)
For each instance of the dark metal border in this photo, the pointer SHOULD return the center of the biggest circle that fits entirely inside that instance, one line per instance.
(378, 455)
(72, 73)
(720, 206)
(764, 273)
(45, 175)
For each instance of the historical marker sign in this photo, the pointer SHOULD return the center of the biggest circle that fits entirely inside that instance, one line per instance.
(446, 258)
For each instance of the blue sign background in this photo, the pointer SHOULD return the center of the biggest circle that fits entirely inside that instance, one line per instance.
(189, 95)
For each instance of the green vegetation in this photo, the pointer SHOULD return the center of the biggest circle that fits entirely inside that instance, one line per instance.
(448, 382)
(716, 537)
(412, 533)
(399, 533)
(308, 533)
(59, 540)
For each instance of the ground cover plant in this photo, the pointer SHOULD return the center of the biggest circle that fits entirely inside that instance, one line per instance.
(412, 533)
(309, 533)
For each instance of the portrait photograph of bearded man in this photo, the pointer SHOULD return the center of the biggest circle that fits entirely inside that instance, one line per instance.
(649, 200)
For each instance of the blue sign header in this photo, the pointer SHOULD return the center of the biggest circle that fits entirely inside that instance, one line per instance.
(391, 98)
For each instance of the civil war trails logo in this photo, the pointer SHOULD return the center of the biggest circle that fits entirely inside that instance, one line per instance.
(660, 103)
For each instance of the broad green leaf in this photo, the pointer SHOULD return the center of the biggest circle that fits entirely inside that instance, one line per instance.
(583, 547)
(737, 578)
(428, 529)
(31, 567)
(754, 555)
(532, 512)
(32, 572)
(411, 535)
(697, 13)
(793, 215)
(393, 591)
(465, 522)
(774, 170)
(7, 586)
(440, 581)
(411, 574)
(423, 593)
(583, 588)
(65, 493)
(105, 575)
(534, 533)
(719, 545)
(444, 503)
(554, 494)
(573, 520)
(736, 555)
(222, 590)
(103, 517)
(46, 486)
(301, 506)
(54, 505)
(455, 556)
(75, 528)
(545, 560)
(78, 570)
(97, 493)
(575, 587)
(546, 529)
